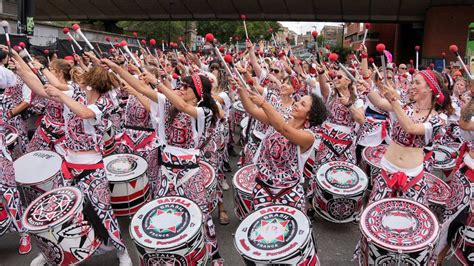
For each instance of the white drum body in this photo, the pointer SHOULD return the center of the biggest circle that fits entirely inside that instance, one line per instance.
(444, 157)
(243, 184)
(438, 194)
(169, 231)
(128, 182)
(276, 234)
(339, 194)
(11, 136)
(397, 231)
(36, 173)
(239, 112)
(59, 228)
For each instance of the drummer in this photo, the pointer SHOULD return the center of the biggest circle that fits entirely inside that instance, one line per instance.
(84, 109)
(459, 215)
(181, 124)
(284, 149)
(8, 189)
(413, 128)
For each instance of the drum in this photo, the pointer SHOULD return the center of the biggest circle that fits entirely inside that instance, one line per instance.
(276, 235)
(397, 231)
(128, 182)
(11, 136)
(243, 183)
(109, 139)
(59, 228)
(339, 194)
(210, 184)
(438, 194)
(239, 112)
(372, 157)
(36, 173)
(169, 231)
(444, 157)
(5, 220)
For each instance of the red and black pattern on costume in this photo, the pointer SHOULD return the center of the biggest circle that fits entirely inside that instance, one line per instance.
(342, 149)
(95, 188)
(406, 139)
(339, 114)
(180, 175)
(76, 137)
(461, 191)
(15, 94)
(278, 161)
(51, 128)
(264, 196)
(380, 190)
(139, 137)
(8, 189)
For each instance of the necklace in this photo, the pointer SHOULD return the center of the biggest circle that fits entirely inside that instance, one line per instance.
(418, 110)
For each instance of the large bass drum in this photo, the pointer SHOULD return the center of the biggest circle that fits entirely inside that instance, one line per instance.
(276, 235)
(243, 183)
(59, 228)
(397, 231)
(169, 231)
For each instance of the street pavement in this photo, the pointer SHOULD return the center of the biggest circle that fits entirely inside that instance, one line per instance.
(335, 242)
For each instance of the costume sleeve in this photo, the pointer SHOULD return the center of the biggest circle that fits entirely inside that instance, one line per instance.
(26, 93)
(7, 78)
(433, 127)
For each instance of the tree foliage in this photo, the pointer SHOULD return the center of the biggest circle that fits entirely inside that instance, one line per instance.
(160, 30)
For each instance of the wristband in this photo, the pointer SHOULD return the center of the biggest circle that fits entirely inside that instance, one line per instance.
(321, 72)
(366, 78)
(364, 55)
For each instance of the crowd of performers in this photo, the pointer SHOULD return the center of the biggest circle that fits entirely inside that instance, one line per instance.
(176, 109)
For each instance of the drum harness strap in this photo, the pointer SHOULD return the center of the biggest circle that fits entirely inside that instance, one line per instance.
(44, 134)
(144, 142)
(328, 141)
(398, 181)
(89, 211)
(282, 191)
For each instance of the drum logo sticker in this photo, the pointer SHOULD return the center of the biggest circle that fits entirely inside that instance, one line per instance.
(166, 221)
(52, 207)
(342, 177)
(120, 166)
(272, 231)
(163, 259)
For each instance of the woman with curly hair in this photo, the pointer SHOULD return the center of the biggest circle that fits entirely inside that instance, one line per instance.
(284, 149)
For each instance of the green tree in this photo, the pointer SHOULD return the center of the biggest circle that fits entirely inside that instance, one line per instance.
(223, 30)
(160, 30)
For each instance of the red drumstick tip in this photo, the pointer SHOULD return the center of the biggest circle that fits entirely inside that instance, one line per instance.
(123, 43)
(75, 27)
(243, 17)
(270, 30)
(152, 42)
(371, 60)
(209, 37)
(333, 57)
(143, 42)
(417, 48)
(22, 44)
(443, 54)
(367, 25)
(453, 48)
(228, 58)
(314, 34)
(135, 34)
(65, 30)
(46, 52)
(107, 38)
(380, 47)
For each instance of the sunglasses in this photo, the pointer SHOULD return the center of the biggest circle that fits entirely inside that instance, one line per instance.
(403, 68)
(276, 71)
(340, 77)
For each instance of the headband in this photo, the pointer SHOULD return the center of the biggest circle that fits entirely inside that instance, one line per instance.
(430, 78)
(197, 85)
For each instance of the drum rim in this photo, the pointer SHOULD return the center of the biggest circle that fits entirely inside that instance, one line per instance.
(43, 180)
(213, 172)
(447, 166)
(153, 203)
(237, 185)
(282, 256)
(365, 157)
(431, 240)
(61, 220)
(130, 179)
(444, 184)
(356, 169)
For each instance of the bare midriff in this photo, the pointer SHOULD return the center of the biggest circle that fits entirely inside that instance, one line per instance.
(404, 157)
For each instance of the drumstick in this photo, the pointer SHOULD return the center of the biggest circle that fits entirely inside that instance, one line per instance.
(453, 48)
(381, 49)
(66, 31)
(417, 49)
(243, 18)
(77, 29)
(6, 29)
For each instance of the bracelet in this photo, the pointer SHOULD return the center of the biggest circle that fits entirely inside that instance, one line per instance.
(321, 72)
(363, 55)
(366, 78)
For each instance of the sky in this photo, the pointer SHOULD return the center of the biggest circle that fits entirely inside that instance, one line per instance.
(304, 26)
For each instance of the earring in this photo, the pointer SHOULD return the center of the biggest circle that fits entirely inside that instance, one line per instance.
(306, 124)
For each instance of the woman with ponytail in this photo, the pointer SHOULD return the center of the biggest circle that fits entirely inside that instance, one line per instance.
(181, 119)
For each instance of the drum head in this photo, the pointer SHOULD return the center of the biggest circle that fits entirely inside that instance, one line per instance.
(52, 208)
(208, 172)
(272, 233)
(37, 166)
(399, 225)
(238, 106)
(124, 167)
(166, 223)
(244, 178)
(373, 155)
(444, 157)
(342, 178)
(11, 135)
(438, 191)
